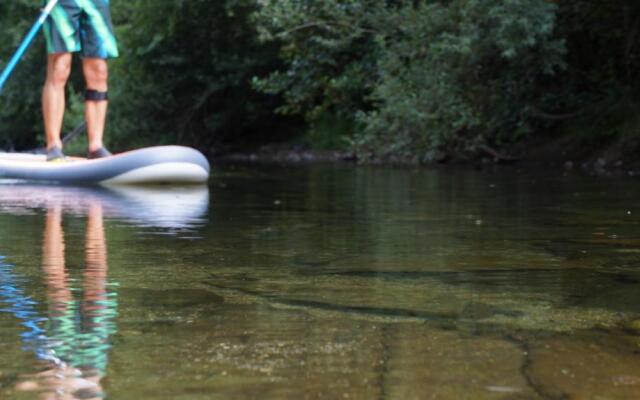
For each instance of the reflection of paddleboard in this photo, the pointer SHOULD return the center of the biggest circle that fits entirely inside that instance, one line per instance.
(180, 207)
(162, 164)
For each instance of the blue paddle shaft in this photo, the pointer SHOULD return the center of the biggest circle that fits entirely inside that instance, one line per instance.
(26, 42)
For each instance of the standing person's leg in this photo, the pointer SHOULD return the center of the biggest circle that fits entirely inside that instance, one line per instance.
(62, 34)
(98, 45)
(53, 97)
(96, 73)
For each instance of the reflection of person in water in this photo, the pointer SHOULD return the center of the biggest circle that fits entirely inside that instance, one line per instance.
(78, 331)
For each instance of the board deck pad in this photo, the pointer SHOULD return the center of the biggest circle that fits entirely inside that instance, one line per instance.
(160, 164)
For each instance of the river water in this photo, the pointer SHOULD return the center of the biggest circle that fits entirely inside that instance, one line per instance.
(323, 283)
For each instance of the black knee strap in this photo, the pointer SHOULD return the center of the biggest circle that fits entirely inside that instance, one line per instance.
(94, 95)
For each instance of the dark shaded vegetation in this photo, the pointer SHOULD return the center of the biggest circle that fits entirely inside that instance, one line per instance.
(410, 81)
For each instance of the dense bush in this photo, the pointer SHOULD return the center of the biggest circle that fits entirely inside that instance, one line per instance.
(600, 90)
(329, 52)
(422, 78)
(20, 100)
(185, 75)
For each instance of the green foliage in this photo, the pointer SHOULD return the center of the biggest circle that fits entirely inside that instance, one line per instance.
(603, 39)
(185, 74)
(329, 132)
(20, 98)
(603, 80)
(328, 50)
(458, 75)
(430, 77)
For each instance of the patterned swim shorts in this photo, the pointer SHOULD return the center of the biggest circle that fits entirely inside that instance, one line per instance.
(81, 26)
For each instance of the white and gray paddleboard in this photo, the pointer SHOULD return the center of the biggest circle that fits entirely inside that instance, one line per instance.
(161, 164)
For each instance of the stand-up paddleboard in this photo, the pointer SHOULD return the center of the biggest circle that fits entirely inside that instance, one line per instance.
(162, 164)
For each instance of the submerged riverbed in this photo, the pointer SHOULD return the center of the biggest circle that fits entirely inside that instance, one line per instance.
(323, 282)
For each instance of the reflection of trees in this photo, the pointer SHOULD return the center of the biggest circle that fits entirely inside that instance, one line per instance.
(76, 340)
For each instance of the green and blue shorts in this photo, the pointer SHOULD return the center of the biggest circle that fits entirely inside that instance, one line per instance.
(82, 26)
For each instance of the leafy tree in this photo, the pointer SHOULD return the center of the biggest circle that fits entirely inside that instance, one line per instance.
(459, 75)
(600, 92)
(329, 52)
(20, 98)
(185, 75)
(421, 77)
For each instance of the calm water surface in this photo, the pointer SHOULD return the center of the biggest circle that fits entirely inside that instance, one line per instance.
(323, 282)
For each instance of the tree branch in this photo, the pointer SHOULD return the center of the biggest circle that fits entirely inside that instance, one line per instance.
(536, 112)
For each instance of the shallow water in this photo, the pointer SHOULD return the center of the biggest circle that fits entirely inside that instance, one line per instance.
(323, 282)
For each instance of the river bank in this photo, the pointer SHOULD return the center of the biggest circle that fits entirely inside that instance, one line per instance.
(614, 157)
